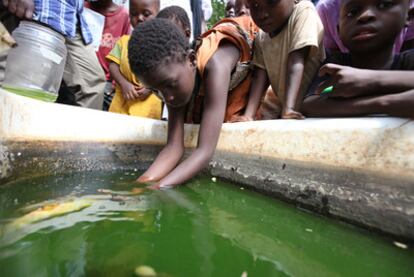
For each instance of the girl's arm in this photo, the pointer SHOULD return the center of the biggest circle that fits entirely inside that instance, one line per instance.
(216, 83)
(396, 104)
(259, 85)
(168, 158)
(349, 82)
(294, 75)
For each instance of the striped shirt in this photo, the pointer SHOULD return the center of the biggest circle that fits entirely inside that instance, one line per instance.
(64, 16)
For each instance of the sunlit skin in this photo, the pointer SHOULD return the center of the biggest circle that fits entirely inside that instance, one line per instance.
(175, 82)
(140, 11)
(368, 28)
(270, 15)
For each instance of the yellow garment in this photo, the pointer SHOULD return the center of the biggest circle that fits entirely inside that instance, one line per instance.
(150, 107)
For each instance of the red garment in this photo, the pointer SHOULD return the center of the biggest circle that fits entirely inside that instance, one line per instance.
(117, 24)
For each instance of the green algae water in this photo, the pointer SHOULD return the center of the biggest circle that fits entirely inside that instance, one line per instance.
(32, 93)
(205, 228)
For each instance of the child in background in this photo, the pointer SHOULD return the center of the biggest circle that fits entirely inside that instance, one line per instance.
(116, 25)
(179, 17)
(370, 79)
(288, 52)
(229, 11)
(130, 96)
(208, 86)
(329, 12)
(240, 8)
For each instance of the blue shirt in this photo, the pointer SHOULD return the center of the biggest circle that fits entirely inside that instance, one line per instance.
(64, 16)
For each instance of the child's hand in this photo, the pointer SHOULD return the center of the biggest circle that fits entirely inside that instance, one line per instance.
(23, 9)
(146, 179)
(152, 183)
(240, 118)
(291, 114)
(347, 81)
(129, 91)
(143, 93)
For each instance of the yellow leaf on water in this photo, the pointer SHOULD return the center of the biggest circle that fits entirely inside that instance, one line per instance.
(51, 210)
(145, 271)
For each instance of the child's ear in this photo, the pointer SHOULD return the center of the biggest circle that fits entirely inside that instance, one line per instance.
(192, 57)
(410, 16)
(188, 33)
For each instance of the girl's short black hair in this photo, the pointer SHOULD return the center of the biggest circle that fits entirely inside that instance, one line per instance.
(154, 43)
(176, 13)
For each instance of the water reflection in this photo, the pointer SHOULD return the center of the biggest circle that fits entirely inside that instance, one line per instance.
(202, 229)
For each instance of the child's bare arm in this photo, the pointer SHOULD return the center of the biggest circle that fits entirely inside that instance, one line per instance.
(351, 82)
(216, 83)
(294, 74)
(129, 91)
(260, 82)
(398, 104)
(168, 158)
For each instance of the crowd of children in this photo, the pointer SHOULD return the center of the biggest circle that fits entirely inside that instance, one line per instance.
(268, 59)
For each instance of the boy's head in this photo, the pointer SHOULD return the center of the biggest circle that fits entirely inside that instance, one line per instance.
(371, 25)
(270, 15)
(230, 8)
(100, 3)
(240, 8)
(160, 56)
(142, 10)
(178, 16)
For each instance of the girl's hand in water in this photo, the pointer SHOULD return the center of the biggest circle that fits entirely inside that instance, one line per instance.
(152, 183)
(146, 179)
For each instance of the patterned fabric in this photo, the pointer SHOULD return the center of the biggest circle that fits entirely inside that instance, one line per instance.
(240, 31)
(116, 25)
(64, 16)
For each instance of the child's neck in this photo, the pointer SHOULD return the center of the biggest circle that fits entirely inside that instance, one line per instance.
(378, 60)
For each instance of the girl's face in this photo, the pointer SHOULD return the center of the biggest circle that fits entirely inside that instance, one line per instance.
(173, 82)
(142, 10)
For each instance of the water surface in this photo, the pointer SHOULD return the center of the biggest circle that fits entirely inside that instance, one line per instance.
(205, 228)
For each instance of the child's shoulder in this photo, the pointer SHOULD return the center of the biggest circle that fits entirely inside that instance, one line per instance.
(119, 11)
(304, 5)
(304, 13)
